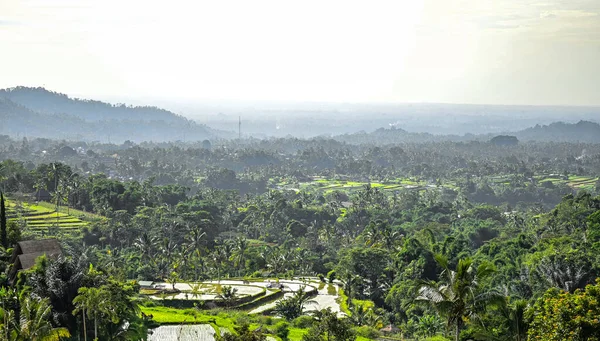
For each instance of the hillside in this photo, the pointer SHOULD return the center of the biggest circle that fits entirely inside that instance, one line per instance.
(582, 131)
(42, 113)
(49, 102)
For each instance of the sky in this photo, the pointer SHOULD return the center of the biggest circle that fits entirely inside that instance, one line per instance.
(534, 52)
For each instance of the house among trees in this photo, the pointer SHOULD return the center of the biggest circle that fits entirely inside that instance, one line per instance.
(26, 252)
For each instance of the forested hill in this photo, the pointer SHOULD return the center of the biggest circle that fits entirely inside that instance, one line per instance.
(49, 102)
(42, 113)
(583, 131)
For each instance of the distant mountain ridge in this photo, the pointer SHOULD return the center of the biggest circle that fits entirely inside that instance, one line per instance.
(39, 112)
(49, 102)
(582, 131)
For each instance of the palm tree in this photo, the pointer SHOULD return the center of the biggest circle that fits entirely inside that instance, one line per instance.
(350, 283)
(358, 314)
(241, 244)
(458, 294)
(197, 239)
(564, 274)
(89, 302)
(34, 321)
(514, 313)
(145, 243)
(293, 307)
(228, 295)
(169, 247)
(8, 297)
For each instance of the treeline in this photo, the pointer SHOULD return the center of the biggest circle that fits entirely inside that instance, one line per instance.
(481, 171)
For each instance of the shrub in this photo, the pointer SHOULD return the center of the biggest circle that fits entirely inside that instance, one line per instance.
(331, 276)
(321, 277)
(148, 303)
(282, 330)
(303, 322)
(368, 332)
(242, 320)
(266, 320)
(436, 338)
(256, 274)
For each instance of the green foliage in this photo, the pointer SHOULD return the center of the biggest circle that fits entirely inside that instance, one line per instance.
(243, 333)
(14, 233)
(293, 307)
(459, 294)
(369, 264)
(228, 295)
(3, 226)
(367, 332)
(329, 327)
(436, 338)
(304, 321)
(34, 323)
(566, 316)
(282, 330)
(347, 207)
(331, 276)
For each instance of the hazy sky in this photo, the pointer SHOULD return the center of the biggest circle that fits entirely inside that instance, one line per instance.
(477, 51)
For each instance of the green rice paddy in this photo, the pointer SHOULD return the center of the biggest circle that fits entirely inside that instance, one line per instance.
(323, 185)
(43, 219)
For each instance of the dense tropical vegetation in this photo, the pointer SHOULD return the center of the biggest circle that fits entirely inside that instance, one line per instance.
(457, 240)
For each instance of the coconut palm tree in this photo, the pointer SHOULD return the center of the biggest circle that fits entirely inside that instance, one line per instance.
(145, 243)
(196, 241)
(240, 247)
(34, 321)
(458, 294)
(350, 284)
(8, 299)
(90, 303)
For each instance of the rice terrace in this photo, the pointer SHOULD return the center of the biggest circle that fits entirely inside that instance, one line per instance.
(43, 218)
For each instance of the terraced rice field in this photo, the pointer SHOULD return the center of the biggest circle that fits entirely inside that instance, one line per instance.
(42, 219)
(582, 182)
(574, 181)
(328, 185)
(198, 332)
(207, 290)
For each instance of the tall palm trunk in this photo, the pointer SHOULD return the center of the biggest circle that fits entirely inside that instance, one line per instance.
(84, 327)
(95, 328)
(457, 333)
